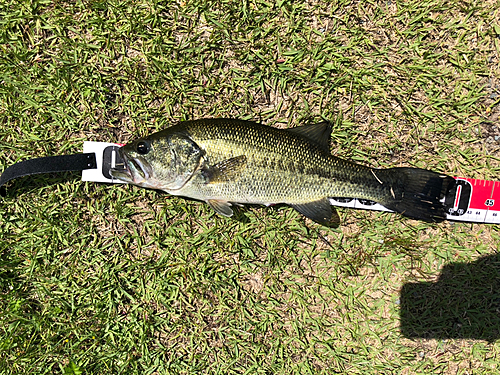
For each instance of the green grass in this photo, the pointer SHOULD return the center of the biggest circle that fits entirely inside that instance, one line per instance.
(100, 279)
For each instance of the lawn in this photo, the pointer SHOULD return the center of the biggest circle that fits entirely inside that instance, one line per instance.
(108, 279)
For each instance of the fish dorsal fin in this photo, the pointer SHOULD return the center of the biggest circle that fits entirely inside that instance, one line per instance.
(226, 170)
(318, 133)
(320, 211)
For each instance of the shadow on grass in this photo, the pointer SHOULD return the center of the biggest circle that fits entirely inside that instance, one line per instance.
(463, 303)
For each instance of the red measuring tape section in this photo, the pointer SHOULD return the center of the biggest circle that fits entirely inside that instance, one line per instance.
(474, 200)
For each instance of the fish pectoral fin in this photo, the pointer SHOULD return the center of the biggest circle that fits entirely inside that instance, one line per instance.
(226, 170)
(320, 211)
(221, 207)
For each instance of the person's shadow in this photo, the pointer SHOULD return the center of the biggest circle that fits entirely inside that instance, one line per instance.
(463, 303)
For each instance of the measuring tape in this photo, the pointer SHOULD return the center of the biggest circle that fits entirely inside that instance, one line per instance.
(470, 200)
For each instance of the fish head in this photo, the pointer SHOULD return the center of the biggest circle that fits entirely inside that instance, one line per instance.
(164, 162)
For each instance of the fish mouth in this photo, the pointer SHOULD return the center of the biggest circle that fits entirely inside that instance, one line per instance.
(134, 171)
(142, 169)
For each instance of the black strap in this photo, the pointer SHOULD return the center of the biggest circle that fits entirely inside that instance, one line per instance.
(63, 163)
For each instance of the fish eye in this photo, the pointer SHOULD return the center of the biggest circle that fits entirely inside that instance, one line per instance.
(142, 147)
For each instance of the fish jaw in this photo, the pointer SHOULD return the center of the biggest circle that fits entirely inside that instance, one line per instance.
(135, 172)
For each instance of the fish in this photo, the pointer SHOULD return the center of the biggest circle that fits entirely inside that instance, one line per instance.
(229, 161)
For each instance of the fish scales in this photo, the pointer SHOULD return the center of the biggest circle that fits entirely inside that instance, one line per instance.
(281, 167)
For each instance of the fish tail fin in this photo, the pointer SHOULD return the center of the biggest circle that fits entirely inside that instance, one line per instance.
(415, 193)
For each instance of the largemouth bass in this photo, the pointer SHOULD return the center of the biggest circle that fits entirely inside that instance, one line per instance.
(226, 161)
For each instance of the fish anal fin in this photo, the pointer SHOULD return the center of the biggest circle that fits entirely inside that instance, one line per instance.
(221, 207)
(318, 133)
(226, 170)
(319, 211)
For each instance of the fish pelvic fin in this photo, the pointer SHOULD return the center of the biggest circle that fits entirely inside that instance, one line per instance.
(221, 207)
(319, 211)
(415, 193)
